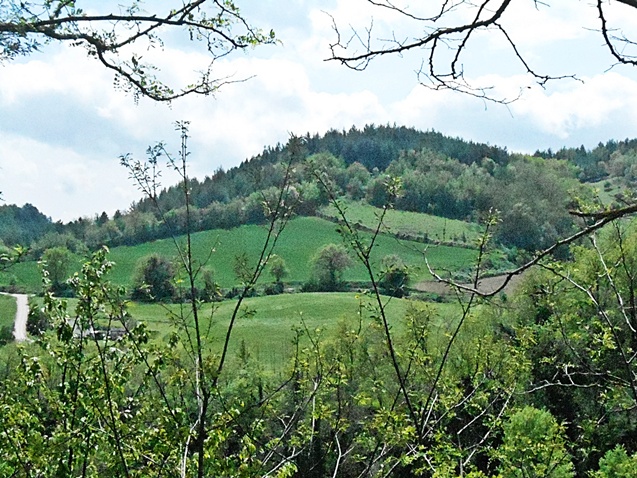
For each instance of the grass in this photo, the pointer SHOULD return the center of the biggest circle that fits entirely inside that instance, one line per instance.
(266, 325)
(608, 189)
(298, 243)
(412, 224)
(8, 308)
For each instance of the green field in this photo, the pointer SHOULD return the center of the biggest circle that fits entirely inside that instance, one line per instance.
(413, 224)
(298, 243)
(266, 324)
(7, 311)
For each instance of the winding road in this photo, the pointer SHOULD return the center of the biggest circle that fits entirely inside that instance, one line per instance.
(21, 315)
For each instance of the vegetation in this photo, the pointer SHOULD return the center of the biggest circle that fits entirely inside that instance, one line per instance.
(339, 384)
(218, 28)
(410, 225)
(539, 382)
(328, 266)
(154, 279)
(7, 315)
(303, 238)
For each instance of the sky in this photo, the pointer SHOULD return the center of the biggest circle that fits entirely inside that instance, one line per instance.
(63, 124)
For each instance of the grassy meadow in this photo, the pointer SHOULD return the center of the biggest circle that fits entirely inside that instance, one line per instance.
(266, 325)
(7, 310)
(302, 237)
(414, 224)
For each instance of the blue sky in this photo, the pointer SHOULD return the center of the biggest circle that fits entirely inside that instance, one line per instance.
(63, 125)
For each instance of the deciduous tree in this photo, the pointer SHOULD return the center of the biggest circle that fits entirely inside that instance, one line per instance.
(329, 263)
(154, 279)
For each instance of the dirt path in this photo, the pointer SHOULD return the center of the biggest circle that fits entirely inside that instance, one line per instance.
(21, 316)
(486, 285)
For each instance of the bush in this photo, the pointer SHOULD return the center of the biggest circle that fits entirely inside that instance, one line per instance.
(395, 276)
(6, 334)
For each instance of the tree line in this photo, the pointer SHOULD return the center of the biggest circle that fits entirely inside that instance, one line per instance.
(443, 176)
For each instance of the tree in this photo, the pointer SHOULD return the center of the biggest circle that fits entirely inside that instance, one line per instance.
(211, 290)
(328, 265)
(56, 262)
(446, 32)
(278, 268)
(118, 37)
(394, 275)
(534, 445)
(617, 464)
(154, 279)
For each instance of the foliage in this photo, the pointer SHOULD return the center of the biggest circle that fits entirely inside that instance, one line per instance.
(56, 261)
(533, 445)
(278, 268)
(394, 276)
(328, 265)
(154, 279)
(38, 321)
(211, 290)
(616, 464)
(6, 334)
(22, 225)
(304, 236)
(117, 37)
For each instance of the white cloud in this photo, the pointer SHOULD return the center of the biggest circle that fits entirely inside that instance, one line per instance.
(590, 104)
(61, 154)
(59, 181)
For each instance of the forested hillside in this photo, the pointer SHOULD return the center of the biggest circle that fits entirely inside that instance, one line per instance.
(443, 176)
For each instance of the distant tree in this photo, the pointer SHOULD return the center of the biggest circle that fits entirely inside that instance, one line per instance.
(328, 265)
(278, 268)
(394, 275)
(56, 261)
(38, 321)
(154, 279)
(101, 219)
(211, 290)
(357, 177)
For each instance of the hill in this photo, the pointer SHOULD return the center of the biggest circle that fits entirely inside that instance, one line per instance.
(302, 237)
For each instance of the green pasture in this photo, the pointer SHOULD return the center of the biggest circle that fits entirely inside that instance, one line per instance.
(414, 224)
(7, 310)
(608, 189)
(297, 244)
(266, 325)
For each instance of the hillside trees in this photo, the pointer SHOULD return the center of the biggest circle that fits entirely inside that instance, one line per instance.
(22, 225)
(116, 36)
